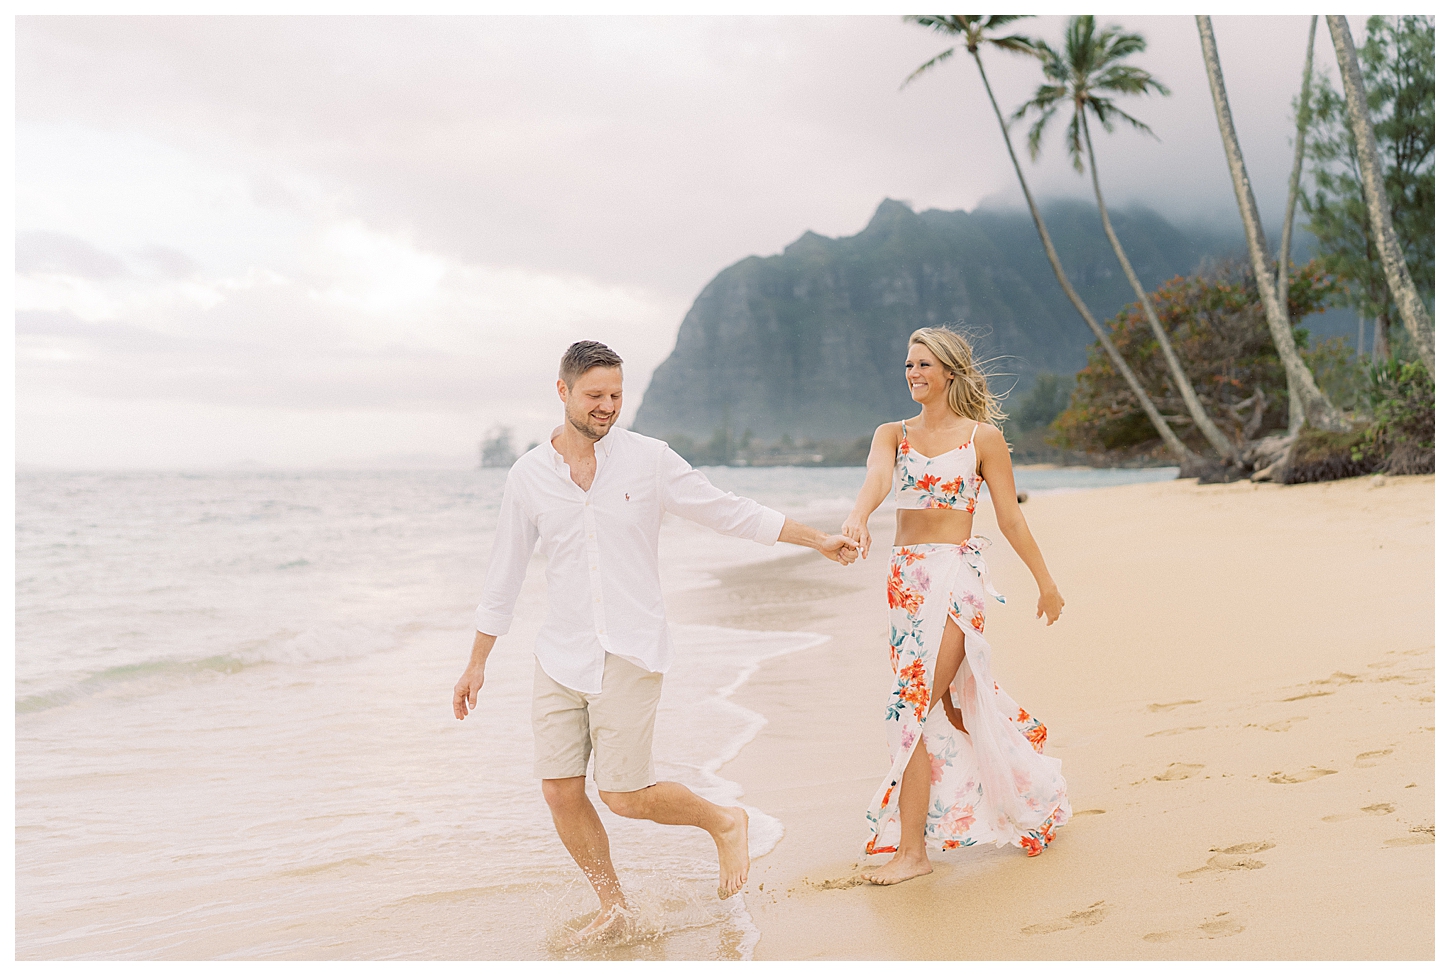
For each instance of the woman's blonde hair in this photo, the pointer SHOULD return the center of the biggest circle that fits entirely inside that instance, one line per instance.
(967, 392)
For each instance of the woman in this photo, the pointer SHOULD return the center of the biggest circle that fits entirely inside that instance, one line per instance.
(970, 771)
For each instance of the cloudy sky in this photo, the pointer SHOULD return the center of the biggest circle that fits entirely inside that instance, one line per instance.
(364, 241)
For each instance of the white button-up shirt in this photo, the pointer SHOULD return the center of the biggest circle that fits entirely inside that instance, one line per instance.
(602, 548)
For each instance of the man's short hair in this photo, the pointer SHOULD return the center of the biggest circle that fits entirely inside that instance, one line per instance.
(583, 356)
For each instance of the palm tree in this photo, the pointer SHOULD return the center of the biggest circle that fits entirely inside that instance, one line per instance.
(1392, 259)
(1085, 74)
(971, 31)
(1296, 407)
(1318, 410)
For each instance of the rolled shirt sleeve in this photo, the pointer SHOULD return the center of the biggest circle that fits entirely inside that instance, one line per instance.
(512, 547)
(688, 493)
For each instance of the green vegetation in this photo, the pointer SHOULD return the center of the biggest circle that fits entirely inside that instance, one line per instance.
(1219, 327)
(1398, 63)
(1399, 438)
(1030, 411)
(1401, 398)
(1089, 73)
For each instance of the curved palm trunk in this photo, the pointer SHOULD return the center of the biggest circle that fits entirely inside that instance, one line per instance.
(1216, 437)
(1296, 406)
(1179, 449)
(1318, 410)
(1392, 259)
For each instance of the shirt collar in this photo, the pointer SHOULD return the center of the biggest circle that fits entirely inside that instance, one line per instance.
(606, 443)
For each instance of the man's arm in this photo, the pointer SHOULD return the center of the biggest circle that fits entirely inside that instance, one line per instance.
(838, 547)
(465, 693)
(689, 494)
(512, 548)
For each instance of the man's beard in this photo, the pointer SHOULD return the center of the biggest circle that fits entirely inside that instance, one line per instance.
(583, 424)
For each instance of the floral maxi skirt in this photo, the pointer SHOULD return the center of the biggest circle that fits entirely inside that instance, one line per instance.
(992, 784)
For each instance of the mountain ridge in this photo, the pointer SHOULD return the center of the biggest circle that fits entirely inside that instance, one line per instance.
(808, 343)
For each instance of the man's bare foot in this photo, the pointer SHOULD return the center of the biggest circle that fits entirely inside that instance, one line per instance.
(610, 924)
(733, 844)
(900, 868)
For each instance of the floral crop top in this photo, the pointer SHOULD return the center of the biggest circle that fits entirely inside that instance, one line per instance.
(946, 481)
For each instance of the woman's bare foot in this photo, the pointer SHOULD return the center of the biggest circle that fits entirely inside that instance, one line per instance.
(610, 924)
(900, 868)
(733, 844)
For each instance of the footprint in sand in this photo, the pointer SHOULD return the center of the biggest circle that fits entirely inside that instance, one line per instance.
(1282, 726)
(1172, 705)
(836, 884)
(1087, 813)
(1091, 915)
(1234, 858)
(1307, 694)
(1302, 776)
(1373, 810)
(1418, 836)
(1365, 759)
(1221, 925)
(1179, 771)
(1179, 731)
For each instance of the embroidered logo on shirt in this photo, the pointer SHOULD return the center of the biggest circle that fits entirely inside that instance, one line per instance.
(626, 496)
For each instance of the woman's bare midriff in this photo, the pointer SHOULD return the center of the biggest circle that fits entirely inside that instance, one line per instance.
(915, 526)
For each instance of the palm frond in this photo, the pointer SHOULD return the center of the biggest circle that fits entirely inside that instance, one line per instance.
(1127, 80)
(995, 21)
(1106, 112)
(1074, 141)
(1118, 45)
(934, 21)
(1034, 134)
(1016, 43)
(1046, 98)
(934, 61)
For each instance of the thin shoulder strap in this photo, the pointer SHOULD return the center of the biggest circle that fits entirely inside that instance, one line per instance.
(973, 439)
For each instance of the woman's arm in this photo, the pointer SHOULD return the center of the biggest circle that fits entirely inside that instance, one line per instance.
(879, 465)
(997, 471)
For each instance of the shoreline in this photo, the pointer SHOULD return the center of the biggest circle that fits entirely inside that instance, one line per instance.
(1208, 824)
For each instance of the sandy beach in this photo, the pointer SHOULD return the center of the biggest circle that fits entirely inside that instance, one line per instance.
(1240, 690)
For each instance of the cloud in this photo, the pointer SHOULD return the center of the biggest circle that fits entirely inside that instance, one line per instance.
(168, 262)
(43, 252)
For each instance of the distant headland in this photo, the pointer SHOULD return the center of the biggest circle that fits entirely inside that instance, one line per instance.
(795, 358)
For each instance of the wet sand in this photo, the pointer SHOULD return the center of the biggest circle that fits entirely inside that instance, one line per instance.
(1241, 692)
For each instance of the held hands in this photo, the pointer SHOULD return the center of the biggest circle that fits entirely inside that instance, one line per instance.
(465, 693)
(839, 548)
(854, 528)
(1050, 603)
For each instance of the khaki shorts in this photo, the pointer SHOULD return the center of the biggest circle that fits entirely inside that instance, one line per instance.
(618, 725)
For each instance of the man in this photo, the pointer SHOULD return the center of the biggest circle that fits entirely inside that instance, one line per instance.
(595, 496)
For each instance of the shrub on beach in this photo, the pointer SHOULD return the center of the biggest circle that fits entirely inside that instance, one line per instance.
(1402, 398)
(1322, 455)
(1399, 439)
(1219, 330)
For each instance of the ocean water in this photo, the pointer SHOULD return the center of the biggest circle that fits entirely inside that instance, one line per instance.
(234, 739)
